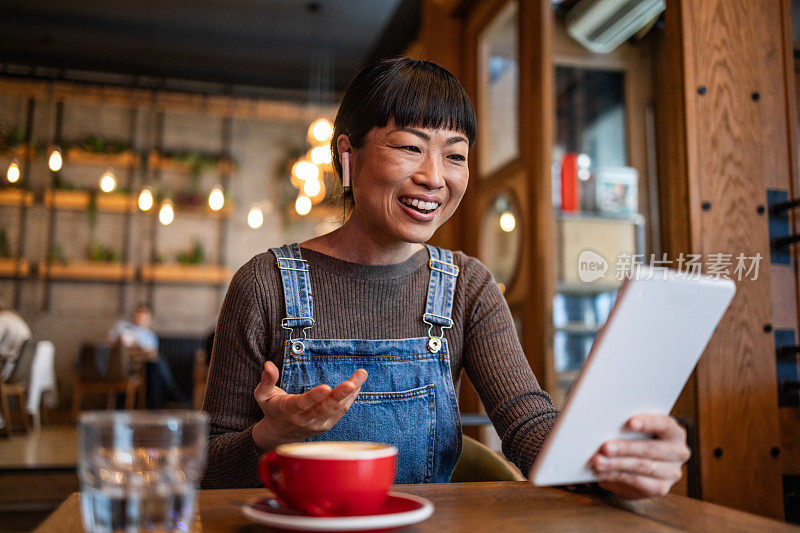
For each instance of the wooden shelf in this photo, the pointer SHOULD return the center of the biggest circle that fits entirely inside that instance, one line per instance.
(21, 152)
(178, 273)
(15, 197)
(160, 161)
(79, 200)
(578, 328)
(11, 267)
(577, 287)
(79, 156)
(88, 270)
(204, 211)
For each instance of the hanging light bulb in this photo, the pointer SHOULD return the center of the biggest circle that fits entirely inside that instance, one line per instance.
(13, 172)
(167, 213)
(255, 218)
(321, 155)
(508, 222)
(55, 161)
(302, 205)
(146, 199)
(320, 131)
(305, 170)
(108, 182)
(216, 199)
(311, 188)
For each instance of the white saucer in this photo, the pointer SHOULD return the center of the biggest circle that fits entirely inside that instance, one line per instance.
(399, 510)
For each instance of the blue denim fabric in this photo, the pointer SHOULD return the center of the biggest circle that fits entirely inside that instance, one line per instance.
(408, 399)
(296, 287)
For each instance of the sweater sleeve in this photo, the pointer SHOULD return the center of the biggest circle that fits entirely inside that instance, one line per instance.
(521, 412)
(238, 356)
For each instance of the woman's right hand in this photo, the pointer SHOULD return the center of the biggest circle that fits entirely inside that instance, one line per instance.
(296, 417)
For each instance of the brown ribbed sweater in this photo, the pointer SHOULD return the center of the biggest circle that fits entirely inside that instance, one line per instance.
(366, 302)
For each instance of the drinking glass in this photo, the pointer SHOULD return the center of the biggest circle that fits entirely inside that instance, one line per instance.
(139, 470)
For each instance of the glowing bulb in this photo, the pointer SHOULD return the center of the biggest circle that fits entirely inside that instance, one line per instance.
(13, 172)
(321, 155)
(107, 181)
(167, 213)
(311, 188)
(321, 130)
(146, 199)
(584, 161)
(216, 199)
(305, 170)
(302, 205)
(508, 222)
(584, 174)
(255, 218)
(55, 160)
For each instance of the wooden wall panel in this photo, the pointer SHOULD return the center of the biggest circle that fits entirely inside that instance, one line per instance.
(777, 97)
(536, 141)
(736, 380)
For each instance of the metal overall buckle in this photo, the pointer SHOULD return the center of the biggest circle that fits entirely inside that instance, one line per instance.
(297, 345)
(434, 342)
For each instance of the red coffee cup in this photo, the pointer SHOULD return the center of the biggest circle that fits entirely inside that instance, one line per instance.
(331, 478)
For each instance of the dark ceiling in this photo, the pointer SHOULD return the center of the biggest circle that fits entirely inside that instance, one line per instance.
(267, 43)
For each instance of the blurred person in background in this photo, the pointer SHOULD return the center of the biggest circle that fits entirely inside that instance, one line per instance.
(141, 340)
(13, 333)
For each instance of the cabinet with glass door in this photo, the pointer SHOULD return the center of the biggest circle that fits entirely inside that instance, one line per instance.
(599, 231)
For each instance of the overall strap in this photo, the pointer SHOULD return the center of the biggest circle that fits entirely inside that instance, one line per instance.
(441, 289)
(296, 288)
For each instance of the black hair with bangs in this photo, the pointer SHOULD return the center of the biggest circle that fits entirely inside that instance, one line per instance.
(412, 91)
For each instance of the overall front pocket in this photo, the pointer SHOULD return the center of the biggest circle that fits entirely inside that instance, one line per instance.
(405, 419)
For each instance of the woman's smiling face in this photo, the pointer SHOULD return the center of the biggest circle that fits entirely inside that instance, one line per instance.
(408, 181)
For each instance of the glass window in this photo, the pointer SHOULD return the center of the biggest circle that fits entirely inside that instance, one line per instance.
(596, 192)
(499, 92)
(590, 127)
(501, 239)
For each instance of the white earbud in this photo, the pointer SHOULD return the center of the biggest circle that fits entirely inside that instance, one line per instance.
(345, 169)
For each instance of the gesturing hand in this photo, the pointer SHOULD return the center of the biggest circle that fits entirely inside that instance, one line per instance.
(643, 468)
(295, 417)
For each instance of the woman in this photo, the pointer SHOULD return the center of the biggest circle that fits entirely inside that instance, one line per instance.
(387, 320)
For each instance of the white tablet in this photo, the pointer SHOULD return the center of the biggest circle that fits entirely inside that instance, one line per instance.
(639, 363)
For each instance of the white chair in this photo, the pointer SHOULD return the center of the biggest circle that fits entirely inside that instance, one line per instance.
(42, 380)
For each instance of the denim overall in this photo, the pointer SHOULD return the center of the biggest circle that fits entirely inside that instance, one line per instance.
(408, 400)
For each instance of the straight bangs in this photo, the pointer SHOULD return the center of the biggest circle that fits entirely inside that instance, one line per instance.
(428, 97)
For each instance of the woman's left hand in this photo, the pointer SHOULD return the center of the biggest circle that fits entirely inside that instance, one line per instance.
(643, 468)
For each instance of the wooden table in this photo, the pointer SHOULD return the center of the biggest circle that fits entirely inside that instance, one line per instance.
(501, 506)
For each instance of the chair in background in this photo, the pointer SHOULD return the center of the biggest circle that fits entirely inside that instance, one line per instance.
(104, 369)
(478, 462)
(179, 352)
(42, 381)
(16, 386)
(200, 376)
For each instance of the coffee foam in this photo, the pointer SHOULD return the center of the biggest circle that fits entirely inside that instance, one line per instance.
(337, 450)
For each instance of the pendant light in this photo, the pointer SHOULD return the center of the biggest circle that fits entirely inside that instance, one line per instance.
(167, 213)
(108, 182)
(216, 199)
(13, 172)
(146, 200)
(302, 205)
(55, 161)
(255, 217)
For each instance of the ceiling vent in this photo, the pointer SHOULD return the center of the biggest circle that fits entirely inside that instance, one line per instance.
(602, 25)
